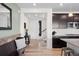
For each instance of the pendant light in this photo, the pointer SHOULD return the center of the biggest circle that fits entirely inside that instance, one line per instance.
(61, 4)
(70, 14)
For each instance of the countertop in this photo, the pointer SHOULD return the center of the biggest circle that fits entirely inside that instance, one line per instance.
(67, 36)
(74, 42)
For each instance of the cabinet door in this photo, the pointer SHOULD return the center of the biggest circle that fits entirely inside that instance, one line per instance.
(70, 25)
(76, 25)
(59, 21)
(76, 20)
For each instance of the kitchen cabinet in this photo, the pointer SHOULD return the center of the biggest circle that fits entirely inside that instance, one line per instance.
(63, 21)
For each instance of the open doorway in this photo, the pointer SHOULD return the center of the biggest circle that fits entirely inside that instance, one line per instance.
(37, 27)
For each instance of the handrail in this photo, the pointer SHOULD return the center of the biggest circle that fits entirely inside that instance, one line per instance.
(44, 30)
(40, 33)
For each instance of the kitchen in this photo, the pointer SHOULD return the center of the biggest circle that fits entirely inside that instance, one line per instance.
(66, 28)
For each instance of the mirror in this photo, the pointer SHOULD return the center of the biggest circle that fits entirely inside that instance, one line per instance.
(5, 17)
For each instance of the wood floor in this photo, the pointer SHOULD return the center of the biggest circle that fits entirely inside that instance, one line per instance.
(35, 49)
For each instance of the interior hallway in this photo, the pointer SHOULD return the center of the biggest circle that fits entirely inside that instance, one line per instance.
(35, 49)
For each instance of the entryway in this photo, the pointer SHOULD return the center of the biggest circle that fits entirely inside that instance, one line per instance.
(36, 26)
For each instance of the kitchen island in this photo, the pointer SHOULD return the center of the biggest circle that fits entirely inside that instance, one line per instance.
(72, 41)
(73, 44)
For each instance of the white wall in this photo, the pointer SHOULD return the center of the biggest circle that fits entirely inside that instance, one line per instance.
(49, 29)
(4, 10)
(33, 21)
(22, 31)
(34, 28)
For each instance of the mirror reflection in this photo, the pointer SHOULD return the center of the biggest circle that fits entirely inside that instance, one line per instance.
(5, 17)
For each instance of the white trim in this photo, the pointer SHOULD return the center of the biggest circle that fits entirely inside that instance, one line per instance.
(36, 10)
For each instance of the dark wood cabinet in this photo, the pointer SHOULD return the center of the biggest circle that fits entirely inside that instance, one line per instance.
(64, 21)
(59, 21)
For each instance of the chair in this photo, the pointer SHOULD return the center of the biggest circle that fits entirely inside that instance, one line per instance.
(67, 51)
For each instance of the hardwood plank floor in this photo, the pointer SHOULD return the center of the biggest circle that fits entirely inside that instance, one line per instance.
(34, 49)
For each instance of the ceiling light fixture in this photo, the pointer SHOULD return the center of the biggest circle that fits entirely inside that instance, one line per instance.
(70, 14)
(61, 4)
(34, 4)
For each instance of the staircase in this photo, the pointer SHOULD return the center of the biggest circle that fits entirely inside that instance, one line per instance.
(43, 40)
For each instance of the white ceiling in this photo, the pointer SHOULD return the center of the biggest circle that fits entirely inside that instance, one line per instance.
(35, 16)
(54, 6)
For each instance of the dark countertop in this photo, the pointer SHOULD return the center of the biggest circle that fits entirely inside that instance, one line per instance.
(67, 36)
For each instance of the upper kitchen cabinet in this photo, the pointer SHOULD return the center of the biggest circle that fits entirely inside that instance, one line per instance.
(75, 23)
(64, 21)
(59, 21)
(76, 17)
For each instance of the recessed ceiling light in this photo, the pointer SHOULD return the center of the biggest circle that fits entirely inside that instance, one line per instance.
(34, 4)
(61, 4)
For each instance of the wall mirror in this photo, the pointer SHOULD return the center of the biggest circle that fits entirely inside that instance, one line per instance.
(5, 17)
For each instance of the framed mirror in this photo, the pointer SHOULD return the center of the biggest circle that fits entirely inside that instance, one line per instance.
(5, 17)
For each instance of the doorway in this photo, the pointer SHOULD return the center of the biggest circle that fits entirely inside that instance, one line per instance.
(34, 27)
